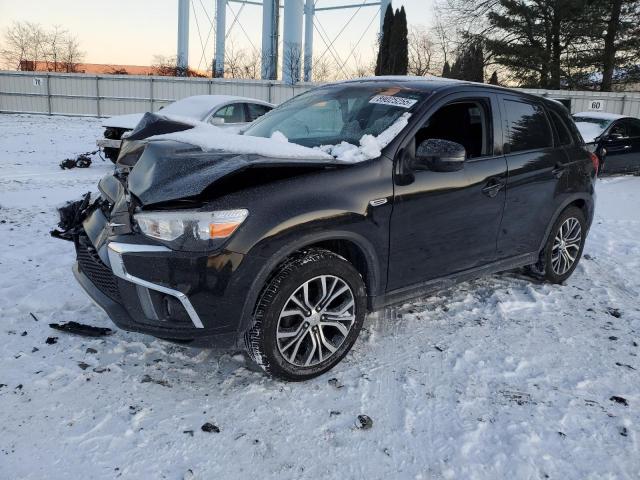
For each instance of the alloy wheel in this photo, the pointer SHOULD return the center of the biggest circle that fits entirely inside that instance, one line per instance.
(566, 246)
(315, 321)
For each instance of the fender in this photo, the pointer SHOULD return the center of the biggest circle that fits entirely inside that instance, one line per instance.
(373, 280)
(566, 202)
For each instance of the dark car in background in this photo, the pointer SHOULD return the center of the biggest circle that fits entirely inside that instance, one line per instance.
(348, 198)
(614, 138)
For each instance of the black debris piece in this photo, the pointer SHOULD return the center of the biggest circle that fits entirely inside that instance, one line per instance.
(334, 382)
(188, 432)
(33, 316)
(562, 434)
(620, 400)
(71, 217)
(81, 161)
(91, 350)
(148, 379)
(3, 385)
(81, 329)
(613, 338)
(614, 312)
(210, 427)
(83, 365)
(334, 413)
(625, 365)
(51, 340)
(19, 387)
(35, 349)
(623, 431)
(440, 349)
(364, 422)
(23, 334)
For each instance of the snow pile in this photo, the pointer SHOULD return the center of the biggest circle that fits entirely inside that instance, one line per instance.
(370, 146)
(210, 138)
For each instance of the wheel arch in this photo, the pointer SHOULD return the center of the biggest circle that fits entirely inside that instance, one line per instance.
(581, 201)
(353, 247)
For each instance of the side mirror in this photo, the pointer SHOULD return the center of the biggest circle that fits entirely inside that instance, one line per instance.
(217, 121)
(440, 156)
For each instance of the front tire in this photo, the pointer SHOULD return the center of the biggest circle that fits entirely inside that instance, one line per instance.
(308, 316)
(564, 246)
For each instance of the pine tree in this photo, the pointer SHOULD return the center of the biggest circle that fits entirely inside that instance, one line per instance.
(494, 78)
(446, 70)
(382, 62)
(399, 49)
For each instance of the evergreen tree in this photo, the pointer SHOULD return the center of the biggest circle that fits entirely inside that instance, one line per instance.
(382, 62)
(399, 45)
(446, 70)
(494, 78)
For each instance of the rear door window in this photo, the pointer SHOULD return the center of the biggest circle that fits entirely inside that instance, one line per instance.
(256, 110)
(633, 128)
(528, 126)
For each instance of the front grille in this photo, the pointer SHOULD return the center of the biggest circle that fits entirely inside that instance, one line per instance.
(99, 274)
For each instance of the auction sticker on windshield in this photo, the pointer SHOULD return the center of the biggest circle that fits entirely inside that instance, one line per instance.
(395, 101)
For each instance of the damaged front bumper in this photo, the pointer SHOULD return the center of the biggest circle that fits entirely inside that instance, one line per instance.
(194, 297)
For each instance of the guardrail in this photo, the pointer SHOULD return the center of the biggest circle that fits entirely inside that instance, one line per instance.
(108, 95)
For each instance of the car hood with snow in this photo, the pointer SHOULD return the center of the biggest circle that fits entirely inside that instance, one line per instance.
(127, 122)
(171, 158)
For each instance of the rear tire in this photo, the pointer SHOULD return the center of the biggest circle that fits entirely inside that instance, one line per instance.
(308, 316)
(563, 249)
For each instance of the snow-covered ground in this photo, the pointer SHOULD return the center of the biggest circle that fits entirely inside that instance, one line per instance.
(496, 378)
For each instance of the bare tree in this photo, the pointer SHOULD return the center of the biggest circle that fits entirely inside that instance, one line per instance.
(24, 44)
(322, 70)
(72, 56)
(56, 40)
(292, 62)
(361, 68)
(421, 51)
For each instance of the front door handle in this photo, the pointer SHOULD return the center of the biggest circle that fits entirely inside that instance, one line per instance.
(492, 187)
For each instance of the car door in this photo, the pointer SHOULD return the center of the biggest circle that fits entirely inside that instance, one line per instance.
(537, 173)
(621, 146)
(447, 222)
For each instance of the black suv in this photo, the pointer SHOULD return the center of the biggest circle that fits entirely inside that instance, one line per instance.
(386, 189)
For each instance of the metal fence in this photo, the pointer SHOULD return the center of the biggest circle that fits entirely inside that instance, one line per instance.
(108, 95)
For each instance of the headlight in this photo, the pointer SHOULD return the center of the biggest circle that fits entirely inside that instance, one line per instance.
(191, 230)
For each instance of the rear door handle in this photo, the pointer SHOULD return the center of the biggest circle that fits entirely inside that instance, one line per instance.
(492, 187)
(557, 172)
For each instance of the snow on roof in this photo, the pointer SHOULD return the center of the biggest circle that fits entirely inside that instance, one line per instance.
(599, 115)
(199, 106)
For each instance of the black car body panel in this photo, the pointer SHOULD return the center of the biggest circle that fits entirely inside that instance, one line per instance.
(407, 230)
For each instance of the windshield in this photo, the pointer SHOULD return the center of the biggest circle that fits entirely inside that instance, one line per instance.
(338, 113)
(591, 128)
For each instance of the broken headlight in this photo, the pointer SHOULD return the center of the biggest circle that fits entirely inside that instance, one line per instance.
(189, 229)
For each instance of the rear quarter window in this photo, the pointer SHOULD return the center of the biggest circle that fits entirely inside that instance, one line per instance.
(528, 127)
(560, 126)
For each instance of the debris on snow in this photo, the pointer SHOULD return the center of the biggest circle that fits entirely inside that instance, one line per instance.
(335, 383)
(81, 329)
(614, 312)
(210, 427)
(51, 340)
(364, 422)
(148, 379)
(620, 400)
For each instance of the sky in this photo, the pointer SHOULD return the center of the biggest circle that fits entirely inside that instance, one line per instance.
(131, 32)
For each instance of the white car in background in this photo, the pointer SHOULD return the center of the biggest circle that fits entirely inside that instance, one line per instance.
(223, 111)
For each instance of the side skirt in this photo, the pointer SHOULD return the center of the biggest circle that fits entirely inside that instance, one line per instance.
(418, 290)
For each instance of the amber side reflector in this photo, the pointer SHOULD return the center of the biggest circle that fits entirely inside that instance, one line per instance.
(222, 230)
